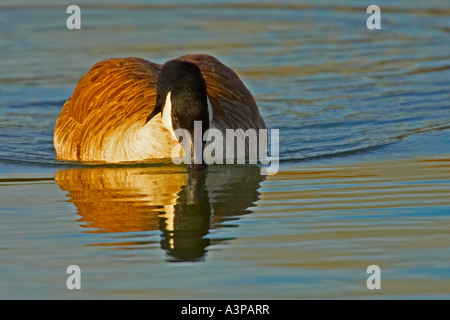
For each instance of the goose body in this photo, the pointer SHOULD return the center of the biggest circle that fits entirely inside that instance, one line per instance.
(107, 117)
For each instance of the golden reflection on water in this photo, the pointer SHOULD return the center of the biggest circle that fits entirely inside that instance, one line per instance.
(183, 206)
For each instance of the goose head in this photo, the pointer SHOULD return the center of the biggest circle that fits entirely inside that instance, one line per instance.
(182, 99)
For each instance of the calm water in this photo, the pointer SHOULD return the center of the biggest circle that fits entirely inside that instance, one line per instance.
(364, 120)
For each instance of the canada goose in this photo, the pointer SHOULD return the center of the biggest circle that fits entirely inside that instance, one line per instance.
(111, 115)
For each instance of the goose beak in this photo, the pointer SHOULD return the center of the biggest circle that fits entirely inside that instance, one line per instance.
(196, 154)
(196, 167)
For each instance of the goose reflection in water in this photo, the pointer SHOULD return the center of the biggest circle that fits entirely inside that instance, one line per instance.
(184, 206)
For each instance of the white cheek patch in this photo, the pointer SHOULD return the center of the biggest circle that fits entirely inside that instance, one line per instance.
(167, 115)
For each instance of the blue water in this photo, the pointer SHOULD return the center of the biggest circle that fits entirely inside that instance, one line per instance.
(363, 116)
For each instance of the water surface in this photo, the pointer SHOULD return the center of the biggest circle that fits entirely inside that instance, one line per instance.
(364, 178)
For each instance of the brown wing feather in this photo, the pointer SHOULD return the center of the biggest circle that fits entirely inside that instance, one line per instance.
(233, 105)
(104, 117)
